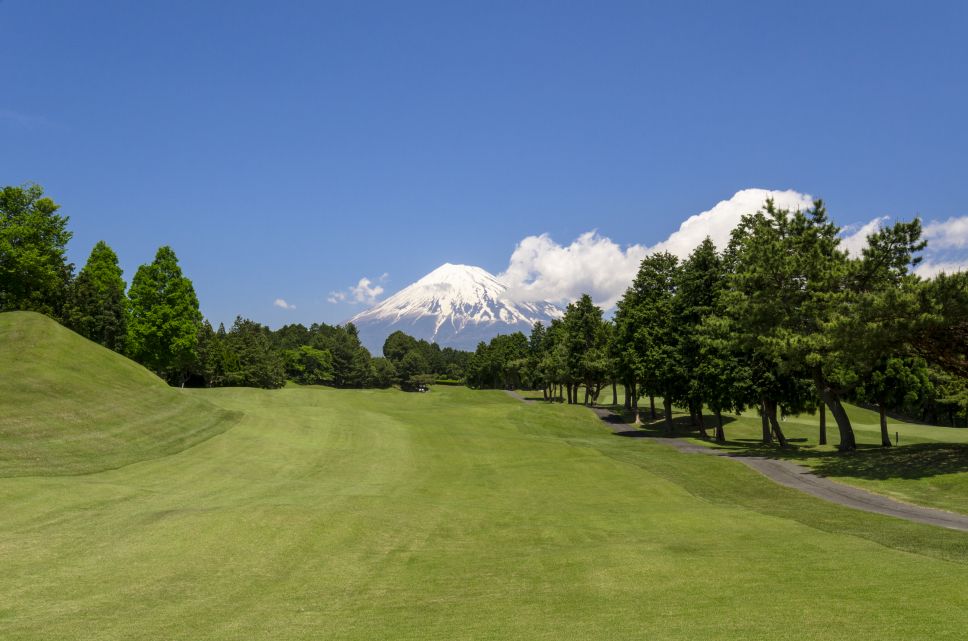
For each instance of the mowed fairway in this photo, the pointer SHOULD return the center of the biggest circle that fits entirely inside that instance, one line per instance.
(456, 514)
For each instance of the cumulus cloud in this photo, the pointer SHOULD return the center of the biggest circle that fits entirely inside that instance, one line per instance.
(365, 291)
(718, 222)
(947, 234)
(541, 269)
(281, 303)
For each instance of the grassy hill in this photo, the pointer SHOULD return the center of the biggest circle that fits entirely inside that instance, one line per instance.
(70, 406)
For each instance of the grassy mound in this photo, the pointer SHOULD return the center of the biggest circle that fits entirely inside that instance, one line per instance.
(70, 406)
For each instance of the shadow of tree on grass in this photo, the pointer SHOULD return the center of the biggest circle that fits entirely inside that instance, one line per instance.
(871, 462)
(905, 462)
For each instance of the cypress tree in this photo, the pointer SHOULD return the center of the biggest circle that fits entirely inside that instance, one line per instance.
(97, 306)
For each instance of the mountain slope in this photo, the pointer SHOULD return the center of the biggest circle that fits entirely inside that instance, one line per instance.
(454, 306)
(70, 406)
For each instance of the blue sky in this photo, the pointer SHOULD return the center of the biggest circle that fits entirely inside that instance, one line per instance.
(286, 150)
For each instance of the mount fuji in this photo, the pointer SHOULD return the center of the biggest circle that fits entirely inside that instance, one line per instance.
(455, 306)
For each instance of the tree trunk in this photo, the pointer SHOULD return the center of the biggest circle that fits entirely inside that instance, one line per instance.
(635, 404)
(652, 407)
(765, 424)
(775, 424)
(885, 437)
(702, 426)
(586, 394)
(628, 397)
(614, 393)
(823, 424)
(847, 441)
(720, 434)
(667, 405)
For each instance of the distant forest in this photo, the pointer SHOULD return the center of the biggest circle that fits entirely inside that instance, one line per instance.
(782, 320)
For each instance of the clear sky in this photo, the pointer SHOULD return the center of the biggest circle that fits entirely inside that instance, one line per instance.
(286, 150)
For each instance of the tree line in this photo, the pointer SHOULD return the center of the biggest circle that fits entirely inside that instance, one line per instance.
(157, 322)
(782, 321)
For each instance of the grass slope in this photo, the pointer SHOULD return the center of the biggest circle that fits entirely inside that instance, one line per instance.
(455, 515)
(70, 406)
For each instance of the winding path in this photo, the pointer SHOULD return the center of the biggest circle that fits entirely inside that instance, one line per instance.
(802, 478)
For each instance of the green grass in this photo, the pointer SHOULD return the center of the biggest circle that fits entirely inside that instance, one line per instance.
(70, 406)
(929, 468)
(336, 514)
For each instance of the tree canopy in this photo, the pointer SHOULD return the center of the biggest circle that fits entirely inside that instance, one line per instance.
(34, 272)
(165, 319)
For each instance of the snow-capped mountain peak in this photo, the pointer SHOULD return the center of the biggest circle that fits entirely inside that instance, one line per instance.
(455, 306)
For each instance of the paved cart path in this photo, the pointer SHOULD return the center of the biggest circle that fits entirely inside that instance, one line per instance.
(801, 477)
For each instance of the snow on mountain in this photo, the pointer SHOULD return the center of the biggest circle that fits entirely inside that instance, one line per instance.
(454, 306)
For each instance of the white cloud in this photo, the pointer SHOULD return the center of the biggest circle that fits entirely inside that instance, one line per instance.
(541, 269)
(854, 237)
(718, 222)
(948, 234)
(365, 291)
(281, 303)
(929, 268)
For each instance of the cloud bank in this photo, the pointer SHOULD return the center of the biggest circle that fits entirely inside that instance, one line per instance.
(282, 304)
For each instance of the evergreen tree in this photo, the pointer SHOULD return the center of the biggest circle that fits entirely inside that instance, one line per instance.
(397, 345)
(585, 348)
(97, 306)
(213, 358)
(34, 272)
(895, 382)
(413, 371)
(165, 320)
(254, 363)
(654, 332)
(940, 335)
(351, 361)
(382, 372)
(701, 280)
(308, 366)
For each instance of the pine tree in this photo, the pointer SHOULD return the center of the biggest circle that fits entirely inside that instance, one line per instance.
(97, 306)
